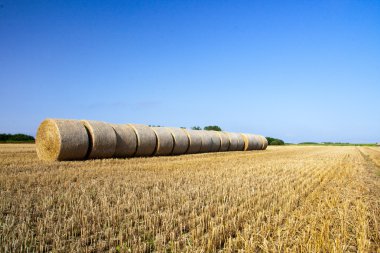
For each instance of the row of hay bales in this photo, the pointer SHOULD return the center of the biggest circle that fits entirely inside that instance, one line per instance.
(62, 139)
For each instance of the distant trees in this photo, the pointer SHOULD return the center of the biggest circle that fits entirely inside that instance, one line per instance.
(16, 138)
(208, 128)
(214, 128)
(275, 141)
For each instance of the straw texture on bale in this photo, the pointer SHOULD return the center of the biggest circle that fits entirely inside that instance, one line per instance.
(102, 139)
(181, 141)
(264, 142)
(165, 141)
(206, 141)
(249, 142)
(195, 141)
(258, 142)
(233, 141)
(240, 144)
(215, 137)
(224, 141)
(126, 141)
(60, 140)
(146, 140)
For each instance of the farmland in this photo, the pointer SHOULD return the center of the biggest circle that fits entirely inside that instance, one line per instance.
(284, 199)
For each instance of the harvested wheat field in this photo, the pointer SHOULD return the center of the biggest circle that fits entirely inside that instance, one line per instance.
(284, 199)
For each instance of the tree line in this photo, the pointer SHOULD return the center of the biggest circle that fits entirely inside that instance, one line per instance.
(16, 138)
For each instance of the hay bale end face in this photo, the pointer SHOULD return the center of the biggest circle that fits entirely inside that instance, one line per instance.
(206, 141)
(102, 138)
(224, 141)
(195, 141)
(165, 141)
(126, 141)
(60, 140)
(181, 140)
(146, 140)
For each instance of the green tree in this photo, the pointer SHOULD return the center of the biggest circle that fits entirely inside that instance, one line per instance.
(215, 128)
(196, 128)
(16, 138)
(274, 141)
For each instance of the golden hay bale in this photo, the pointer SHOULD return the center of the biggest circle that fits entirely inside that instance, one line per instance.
(102, 139)
(233, 141)
(258, 142)
(264, 142)
(165, 141)
(181, 141)
(216, 141)
(126, 140)
(195, 141)
(224, 141)
(146, 140)
(249, 142)
(60, 139)
(206, 141)
(240, 144)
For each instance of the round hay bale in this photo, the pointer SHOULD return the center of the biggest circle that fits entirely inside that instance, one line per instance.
(126, 141)
(146, 140)
(255, 141)
(195, 141)
(224, 141)
(241, 143)
(61, 140)
(102, 139)
(233, 141)
(216, 141)
(165, 141)
(261, 142)
(264, 142)
(249, 142)
(206, 141)
(181, 141)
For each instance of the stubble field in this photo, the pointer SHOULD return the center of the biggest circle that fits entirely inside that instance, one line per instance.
(284, 199)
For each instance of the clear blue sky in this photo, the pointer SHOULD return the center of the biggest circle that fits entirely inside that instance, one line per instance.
(297, 70)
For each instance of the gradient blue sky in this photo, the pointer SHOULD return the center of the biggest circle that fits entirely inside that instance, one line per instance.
(297, 70)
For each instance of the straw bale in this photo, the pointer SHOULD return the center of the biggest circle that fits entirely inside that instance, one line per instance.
(181, 141)
(146, 140)
(126, 140)
(61, 139)
(165, 141)
(102, 139)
